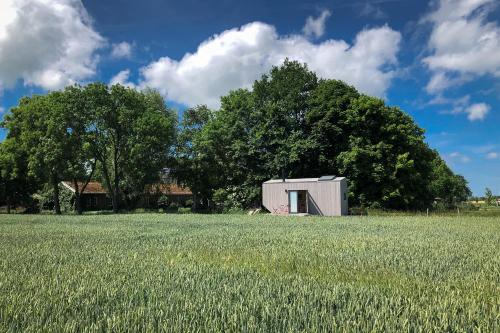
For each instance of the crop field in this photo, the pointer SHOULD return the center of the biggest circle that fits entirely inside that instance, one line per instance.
(159, 272)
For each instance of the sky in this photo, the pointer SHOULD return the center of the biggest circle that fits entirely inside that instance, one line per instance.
(439, 60)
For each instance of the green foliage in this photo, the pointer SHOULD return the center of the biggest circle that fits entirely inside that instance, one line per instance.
(184, 210)
(229, 273)
(293, 125)
(489, 199)
(448, 189)
(228, 199)
(163, 201)
(196, 159)
(45, 199)
(173, 207)
(16, 186)
(132, 133)
(127, 135)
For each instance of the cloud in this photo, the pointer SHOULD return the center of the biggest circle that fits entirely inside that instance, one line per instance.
(237, 57)
(492, 155)
(315, 27)
(372, 11)
(458, 157)
(441, 81)
(123, 79)
(121, 50)
(462, 43)
(477, 111)
(46, 43)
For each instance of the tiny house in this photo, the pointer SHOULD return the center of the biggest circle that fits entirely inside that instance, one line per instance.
(326, 196)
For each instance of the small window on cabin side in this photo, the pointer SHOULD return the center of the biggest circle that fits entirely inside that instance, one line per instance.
(345, 196)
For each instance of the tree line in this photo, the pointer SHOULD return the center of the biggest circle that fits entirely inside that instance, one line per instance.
(115, 134)
(290, 124)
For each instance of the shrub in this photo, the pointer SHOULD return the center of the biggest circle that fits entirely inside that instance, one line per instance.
(162, 201)
(184, 210)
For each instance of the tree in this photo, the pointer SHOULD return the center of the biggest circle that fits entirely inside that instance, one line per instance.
(488, 197)
(293, 125)
(16, 185)
(37, 126)
(195, 166)
(149, 148)
(81, 162)
(130, 136)
(445, 186)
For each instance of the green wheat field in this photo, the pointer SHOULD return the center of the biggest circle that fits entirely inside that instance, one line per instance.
(185, 273)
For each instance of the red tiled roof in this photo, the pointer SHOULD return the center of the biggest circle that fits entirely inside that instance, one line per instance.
(167, 189)
(92, 187)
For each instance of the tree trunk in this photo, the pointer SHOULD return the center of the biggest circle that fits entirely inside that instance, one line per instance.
(78, 203)
(55, 184)
(114, 201)
(195, 202)
(8, 204)
(116, 181)
(79, 192)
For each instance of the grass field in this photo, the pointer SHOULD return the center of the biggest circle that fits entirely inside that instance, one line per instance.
(249, 273)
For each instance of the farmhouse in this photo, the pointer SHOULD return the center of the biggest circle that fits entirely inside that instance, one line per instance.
(173, 191)
(95, 196)
(325, 196)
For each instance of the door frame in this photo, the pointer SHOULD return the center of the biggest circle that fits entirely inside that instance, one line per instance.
(290, 203)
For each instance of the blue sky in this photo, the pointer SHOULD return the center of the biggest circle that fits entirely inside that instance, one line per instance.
(439, 60)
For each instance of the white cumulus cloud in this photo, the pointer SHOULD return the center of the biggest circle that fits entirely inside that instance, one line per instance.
(462, 105)
(237, 57)
(122, 78)
(46, 43)
(477, 111)
(121, 50)
(315, 27)
(463, 43)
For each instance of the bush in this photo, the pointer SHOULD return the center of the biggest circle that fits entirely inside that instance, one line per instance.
(45, 200)
(162, 201)
(184, 210)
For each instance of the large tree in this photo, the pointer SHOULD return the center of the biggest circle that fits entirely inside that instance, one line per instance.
(16, 185)
(81, 163)
(293, 125)
(196, 158)
(131, 135)
(37, 125)
(120, 134)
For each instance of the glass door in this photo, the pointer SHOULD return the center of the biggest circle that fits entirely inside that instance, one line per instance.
(293, 197)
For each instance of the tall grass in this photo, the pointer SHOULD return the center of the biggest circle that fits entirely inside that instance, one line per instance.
(183, 273)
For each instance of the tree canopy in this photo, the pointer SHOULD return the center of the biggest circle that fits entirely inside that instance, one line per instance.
(116, 134)
(289, 124)
(292, 124)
